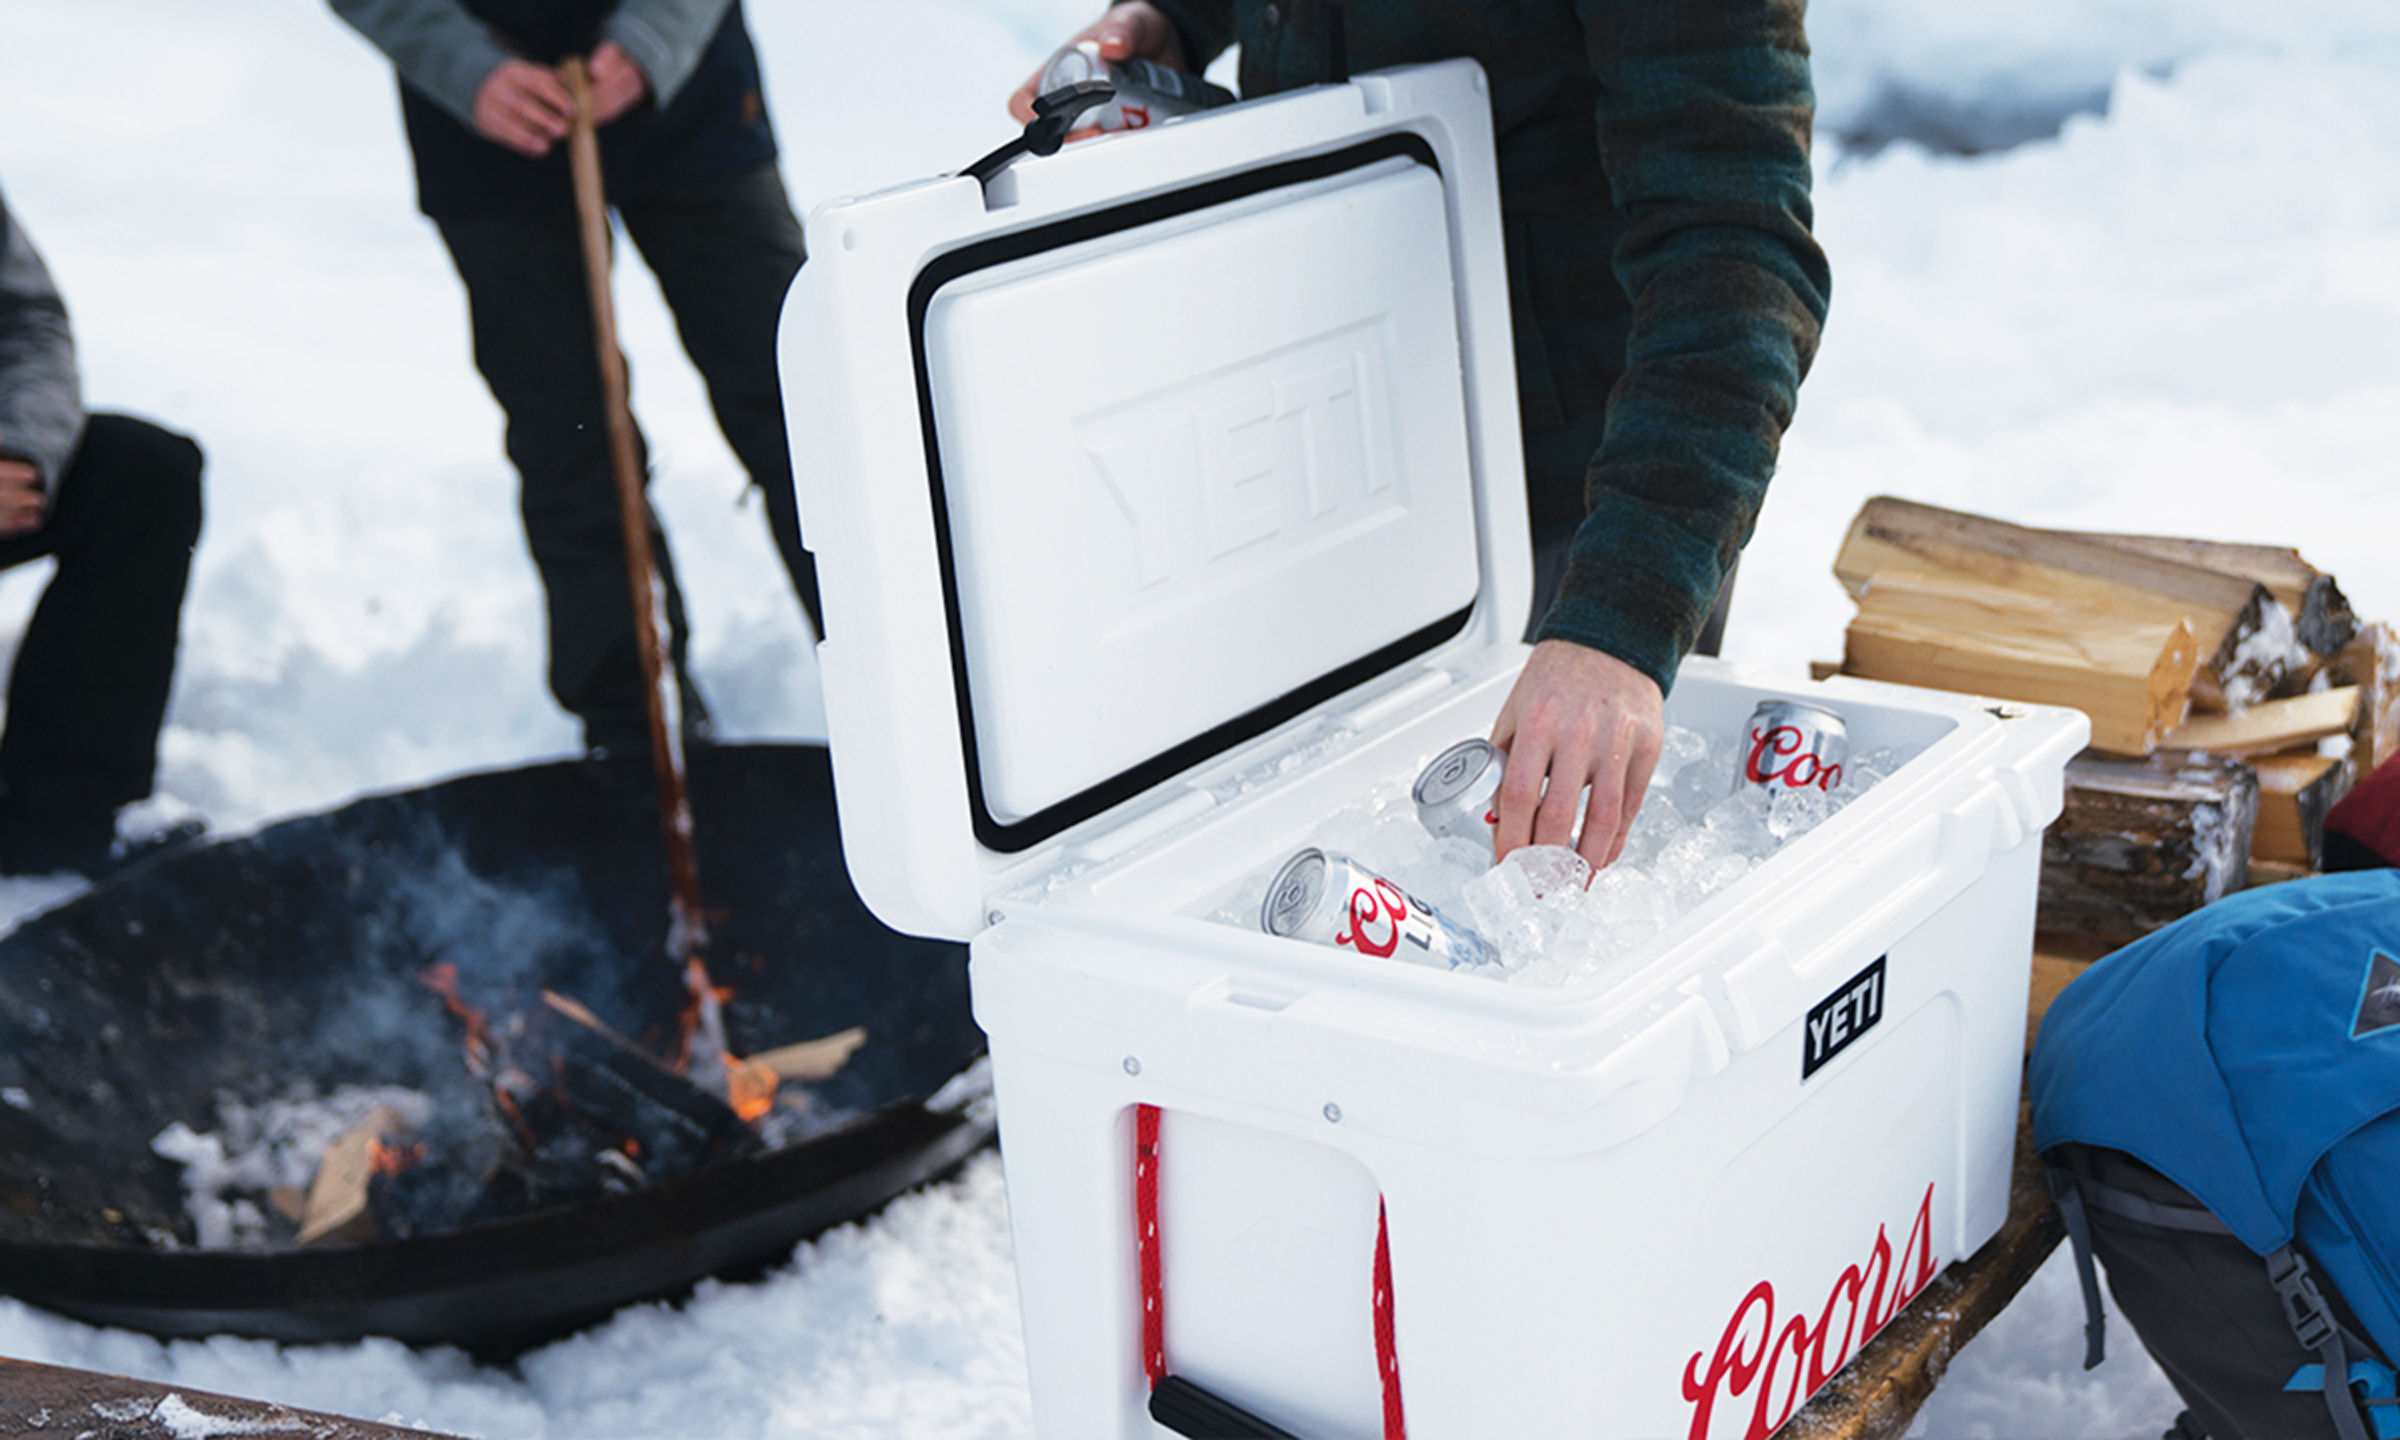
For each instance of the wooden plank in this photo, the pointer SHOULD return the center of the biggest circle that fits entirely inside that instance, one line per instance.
(818, 1059)
(2269, 726)
(2294, 792)
(2130, 674)
(40, 1400)
(2140, 843)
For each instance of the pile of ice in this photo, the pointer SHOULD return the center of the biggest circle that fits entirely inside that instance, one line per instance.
(1550, 920)
(231, 1174)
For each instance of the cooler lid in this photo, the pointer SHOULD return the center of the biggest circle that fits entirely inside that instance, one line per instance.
(1129, 457)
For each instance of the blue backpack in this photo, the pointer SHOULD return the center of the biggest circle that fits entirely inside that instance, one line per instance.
(2219, 1107)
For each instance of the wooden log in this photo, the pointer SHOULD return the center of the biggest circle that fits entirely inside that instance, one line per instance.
(2270, 726)
(2294, 792)
(2141, 843)
(2321, 614)
(2228, 613)
(2131, 674)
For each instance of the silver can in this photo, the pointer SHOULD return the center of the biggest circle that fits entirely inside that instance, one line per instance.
(1793, 745)
(1331, 899)
(1459, 793)
(1147, 92)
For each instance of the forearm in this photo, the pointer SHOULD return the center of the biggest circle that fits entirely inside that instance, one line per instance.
(1705, 135)
(435, 45)
(41, 396)
(665, 38)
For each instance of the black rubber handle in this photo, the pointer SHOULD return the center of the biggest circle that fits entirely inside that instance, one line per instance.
(1190, 1411)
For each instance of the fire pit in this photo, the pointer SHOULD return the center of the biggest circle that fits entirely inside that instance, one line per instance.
(347, 951)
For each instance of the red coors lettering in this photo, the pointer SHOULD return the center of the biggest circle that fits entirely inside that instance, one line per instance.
(1793, 745)
(1786, 1360)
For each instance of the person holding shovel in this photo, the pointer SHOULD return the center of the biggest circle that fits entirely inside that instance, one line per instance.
(116, 501)
(1666, 295)
(688, 156)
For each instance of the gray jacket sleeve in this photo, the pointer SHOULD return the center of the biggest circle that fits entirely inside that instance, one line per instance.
(41, 398)
(435, 45)
(665, 38)
(441, 49)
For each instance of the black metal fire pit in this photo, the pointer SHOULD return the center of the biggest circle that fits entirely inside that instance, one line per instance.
(295, 956)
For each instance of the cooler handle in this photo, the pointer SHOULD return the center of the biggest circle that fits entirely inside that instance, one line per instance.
(1191, 1411)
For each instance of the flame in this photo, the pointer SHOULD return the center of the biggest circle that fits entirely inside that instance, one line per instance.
(705, 1057)
(385, 1159)
(750, 1087)
(442, 979)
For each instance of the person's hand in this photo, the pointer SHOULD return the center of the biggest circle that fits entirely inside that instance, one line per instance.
(1578, 719)
(21, 497)
(1132, 31)
(525, 107)
(617, 83)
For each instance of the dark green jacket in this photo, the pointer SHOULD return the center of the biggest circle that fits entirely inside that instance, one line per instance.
(1651, 149)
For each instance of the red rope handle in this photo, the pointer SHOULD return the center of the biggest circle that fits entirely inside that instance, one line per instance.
(1145, 1242)
(1154, 1310)
(1387, 1344)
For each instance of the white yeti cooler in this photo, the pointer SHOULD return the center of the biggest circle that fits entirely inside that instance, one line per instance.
(1168, 499)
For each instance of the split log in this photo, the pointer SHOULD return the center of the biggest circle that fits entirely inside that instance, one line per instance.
(336, 1211)
(2271, 726)
(2140, 843)
(2130, 672)
(809, 1060)
(2321, 615)
(2371, 661)
(2294, 792)
(2242, 634)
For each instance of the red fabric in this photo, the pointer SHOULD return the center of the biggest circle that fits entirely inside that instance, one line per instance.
(2370, 813)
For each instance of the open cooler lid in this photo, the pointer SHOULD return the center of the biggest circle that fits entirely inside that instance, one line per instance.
(1121, 461)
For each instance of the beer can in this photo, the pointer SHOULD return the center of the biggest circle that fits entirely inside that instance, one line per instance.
(1794, 745)
(1459, 793)
(1331, 899)
(1147, 92)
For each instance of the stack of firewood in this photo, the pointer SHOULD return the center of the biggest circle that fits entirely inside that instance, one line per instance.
(2233, 694)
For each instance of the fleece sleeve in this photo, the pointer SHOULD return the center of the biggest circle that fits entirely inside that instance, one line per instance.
(41, 397)
(1704, 119)
(437, 47)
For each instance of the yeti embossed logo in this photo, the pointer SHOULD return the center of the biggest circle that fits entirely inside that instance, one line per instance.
(1840, 1018)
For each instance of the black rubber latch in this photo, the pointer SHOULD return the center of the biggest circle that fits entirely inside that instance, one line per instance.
(1190, 1411)
(1054, 115)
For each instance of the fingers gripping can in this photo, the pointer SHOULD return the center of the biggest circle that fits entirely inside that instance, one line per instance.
(1459, 793)
(1147, 92)
(1793, 745)
(1329, 898)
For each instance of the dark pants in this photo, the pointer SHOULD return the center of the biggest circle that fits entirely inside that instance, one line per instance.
(724, 252)
(89, 689)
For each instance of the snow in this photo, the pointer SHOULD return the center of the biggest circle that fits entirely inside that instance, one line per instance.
(2167, 305)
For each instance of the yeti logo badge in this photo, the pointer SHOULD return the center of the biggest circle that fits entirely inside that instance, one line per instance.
(1842, 1017)
(2379, 1004)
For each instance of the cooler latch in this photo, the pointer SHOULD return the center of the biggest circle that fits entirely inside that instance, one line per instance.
(1054, 115)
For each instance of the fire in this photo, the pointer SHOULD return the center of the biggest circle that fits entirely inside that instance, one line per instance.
(384, 1158)
(442, 979)
(708, 1061)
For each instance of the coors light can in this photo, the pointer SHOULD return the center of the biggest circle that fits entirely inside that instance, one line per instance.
(1793, 745)
(1459, 793)
(1147, 92)
(1331, 899)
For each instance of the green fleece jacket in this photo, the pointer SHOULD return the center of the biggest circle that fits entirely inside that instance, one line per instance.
(1665, 289)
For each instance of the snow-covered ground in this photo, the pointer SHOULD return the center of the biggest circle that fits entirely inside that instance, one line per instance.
(2179, 311)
